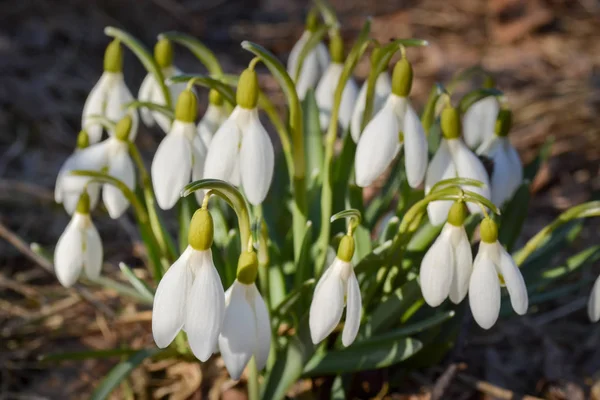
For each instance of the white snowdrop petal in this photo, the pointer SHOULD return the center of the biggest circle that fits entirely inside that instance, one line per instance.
(353, 310)
(121, 167)
(501, 177)
(484, 292)
(325, 92)
(463, 264)
(257, 161)
(479, 121)
(263, 330)
(118, 96)
(516, 168)
(383, 87)
(172, 166)
(327, 305)
(93, 253)
(145, 95)
(223, 152)
(593, 306)
(357, 113)
(469, 166)
(322, 57)
(95, 105)
(437, 271)
(205, 306)
(377, 147)
(415, 148)
(168, 310)
(349, 96)
(440, 168)
(213, 118)
(68, 255)
(237, 340)
(514, 281)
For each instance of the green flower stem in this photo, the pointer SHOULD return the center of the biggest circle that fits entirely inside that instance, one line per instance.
(159, 262)
(145, 58)
(253, 386)
(165, 242)
(299, 208)
(327, 190)
(585, 210)
(428, 116)
(198, 79)
(198, 49)
(328, 13)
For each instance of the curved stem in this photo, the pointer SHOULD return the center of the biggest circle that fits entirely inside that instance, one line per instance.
(198, 49)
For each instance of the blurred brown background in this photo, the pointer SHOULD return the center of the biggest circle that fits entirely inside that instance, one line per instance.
(545, 55)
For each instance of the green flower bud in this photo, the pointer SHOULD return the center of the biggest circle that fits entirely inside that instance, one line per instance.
(83, 139)
(489, 82)
(346, 248)
(458, 213)
(186, 109)
(200, 235)
(312, 20)
(336, 48)
(488, 231)
(375, 56)
(450, 121)
(163, 53)
(503, 122)
(123, 128)
(83, 205)
(215, 98)
(247, 90)
(113, 57)
(402, 78)
(247, 268)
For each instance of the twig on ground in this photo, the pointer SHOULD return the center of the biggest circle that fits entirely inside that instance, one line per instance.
(492, 390)
(442, 383)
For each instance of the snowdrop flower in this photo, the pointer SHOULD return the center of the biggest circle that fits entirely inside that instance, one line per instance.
(507, 174)
(479, 121)
(447, 265)
(593, 307)
(494, 267)
(180, 156)
(216, 114)
(383, 88)
(246, 330)
(150, 90)
(79, 247)
(190, 295)
(109, 96)
(396, 124)
(453, 159)
(69, 188)
(325, 92)
(337, 286)
(315, 62)
(241, 151)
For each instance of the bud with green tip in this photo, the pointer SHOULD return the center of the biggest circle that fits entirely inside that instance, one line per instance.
(216, 114)
(336, 49)
(113, 57)
(123, 128)
(187, 107)
(163, 53)
(247, 269)
(402, 78)
(450, 123)
(200, 235)
(503, 122)
(83, 139)
(479, 121)
(247, 90)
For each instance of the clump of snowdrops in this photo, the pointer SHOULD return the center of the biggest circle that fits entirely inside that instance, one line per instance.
(279, 265)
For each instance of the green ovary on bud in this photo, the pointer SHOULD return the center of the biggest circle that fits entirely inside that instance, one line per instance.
(83, 205)
(489, 82)
(458, 213)
(488, 231)
(123, 128)
(336, 48)
(375, 56)
(402, 78)
(312, 20)
(247, 268)
(247, 90)
(503, 122)
(163, 53)
(450, 122)
(113, 57)
(215, 98)
(186, 109)
(346, 248)
(200, 235)
(83, 139)
(400, 136)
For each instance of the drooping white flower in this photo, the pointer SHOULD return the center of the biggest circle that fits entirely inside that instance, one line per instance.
(325, 93)
(315, 64)
(593, 306)
(447, 265)
(216, 114)
(507, 174)
(396, 124)
(241, 151)
(79, 248)
(109, 96)
(383, 88)
(494, 267)
(479, 121)
(246, 330)
(190, 295)
(180, 156)
(454, 159)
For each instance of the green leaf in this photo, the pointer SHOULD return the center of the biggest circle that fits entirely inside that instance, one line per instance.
(198, 49)
(313, 139)
(413, 328)
(186, 208)
(443, 184)
(87, 354)
(140, 286)
(119, 288)
(391, 310)
(304, 265)
(286, 305)
(224, 89)
(428, 116)
(374, 259)
(120, 372)
(363, 356)
(573, 263)
(512, 221)
(390, 229)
